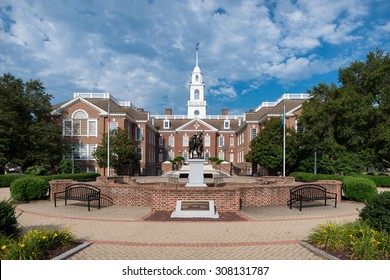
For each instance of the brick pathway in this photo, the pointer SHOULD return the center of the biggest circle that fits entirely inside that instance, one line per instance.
(118, 232)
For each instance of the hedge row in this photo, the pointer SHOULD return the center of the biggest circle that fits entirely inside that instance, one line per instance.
(31, 187)
(379, 180)
(359, 189)
(7, 179)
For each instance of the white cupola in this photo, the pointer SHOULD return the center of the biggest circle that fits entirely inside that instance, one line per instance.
(196, 104)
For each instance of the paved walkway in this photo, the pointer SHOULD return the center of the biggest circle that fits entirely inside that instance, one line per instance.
(119, 233)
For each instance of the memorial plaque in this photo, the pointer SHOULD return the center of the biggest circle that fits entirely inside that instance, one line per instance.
(195, 209)
(195, 206)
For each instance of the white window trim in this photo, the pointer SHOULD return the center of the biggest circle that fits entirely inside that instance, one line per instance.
(226, 124)
(89, 127)
(89, 148)
(139, 134)
(251, 135)
(71, 121)
(172, 141)
(207, 140)
(167, 124)
(139, 152)
(219, 141)
(185, 140)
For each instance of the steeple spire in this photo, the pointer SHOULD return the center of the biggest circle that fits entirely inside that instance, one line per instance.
(197, 49)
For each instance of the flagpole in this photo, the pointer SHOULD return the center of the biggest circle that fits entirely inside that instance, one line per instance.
(108, 139)
(284, 141)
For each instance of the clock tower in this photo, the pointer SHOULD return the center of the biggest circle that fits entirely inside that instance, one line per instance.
(196, 105)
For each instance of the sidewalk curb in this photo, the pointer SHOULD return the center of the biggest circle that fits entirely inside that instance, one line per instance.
(317, 251)
(73, 251)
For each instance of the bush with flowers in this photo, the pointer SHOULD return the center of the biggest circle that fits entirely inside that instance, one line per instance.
(34, 244)
(357, 240)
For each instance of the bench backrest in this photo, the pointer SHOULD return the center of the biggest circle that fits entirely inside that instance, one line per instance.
(309, 190)
(81, 190)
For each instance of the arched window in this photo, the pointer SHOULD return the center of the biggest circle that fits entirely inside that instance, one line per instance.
(196, 78)
(196, 94)
(80, 123)
(80, 115)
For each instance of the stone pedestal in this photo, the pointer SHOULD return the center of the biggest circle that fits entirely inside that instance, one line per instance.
(195, 209)
(195, 176)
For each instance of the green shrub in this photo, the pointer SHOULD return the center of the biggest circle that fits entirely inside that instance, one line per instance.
(310, 177)
(29, 188)
(329, 236)
(365, 243)
(377, 212)
(35, 244)
(67, 165)
(179, 158)
(87, 176)
(380, 180)
(213, 159)
(38, 170)
(303, 177)
(8, 222)
(6, 180)
(357, 239)
(359, 188)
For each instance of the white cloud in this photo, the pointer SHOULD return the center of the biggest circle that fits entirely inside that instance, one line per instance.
(145, 51)
(385, 27)
(225, 91)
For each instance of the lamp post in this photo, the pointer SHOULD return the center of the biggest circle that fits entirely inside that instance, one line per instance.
(73, 148)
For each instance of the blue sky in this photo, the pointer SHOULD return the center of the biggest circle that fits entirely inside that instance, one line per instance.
(144, 51)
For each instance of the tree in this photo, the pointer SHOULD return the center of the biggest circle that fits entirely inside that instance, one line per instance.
(349, 125)
(266, 149)
(28, 133)
(122, 151)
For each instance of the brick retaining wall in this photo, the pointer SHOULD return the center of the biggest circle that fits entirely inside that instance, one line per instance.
(229, 197)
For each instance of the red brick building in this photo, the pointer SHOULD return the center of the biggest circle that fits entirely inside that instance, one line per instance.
(158, 138)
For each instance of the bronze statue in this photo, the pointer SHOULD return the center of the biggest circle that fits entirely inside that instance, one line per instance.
(196, 145)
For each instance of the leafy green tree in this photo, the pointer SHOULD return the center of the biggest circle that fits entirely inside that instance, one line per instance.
(28, 133)
(67, 165)
(266, 149)
(349, 125)
(122, 151)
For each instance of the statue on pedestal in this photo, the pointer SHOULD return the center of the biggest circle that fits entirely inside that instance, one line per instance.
(196, 145)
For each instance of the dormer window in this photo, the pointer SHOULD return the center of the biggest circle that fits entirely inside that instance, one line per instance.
(226, 124)
(167, 124)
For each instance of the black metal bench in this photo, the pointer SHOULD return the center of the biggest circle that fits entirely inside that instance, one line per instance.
(80, 192)
(310, 193)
